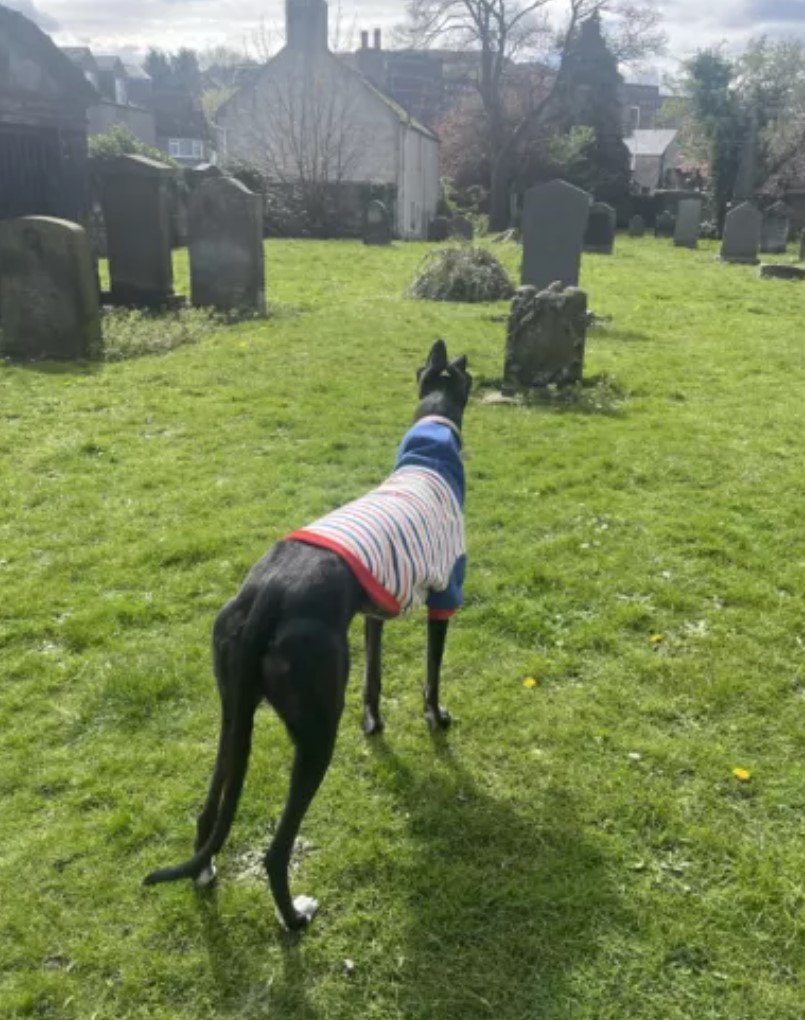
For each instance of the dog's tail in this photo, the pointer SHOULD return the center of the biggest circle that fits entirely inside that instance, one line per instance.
(243, 688)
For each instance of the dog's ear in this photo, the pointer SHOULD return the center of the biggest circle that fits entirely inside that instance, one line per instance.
(437, 359)
(460, 364)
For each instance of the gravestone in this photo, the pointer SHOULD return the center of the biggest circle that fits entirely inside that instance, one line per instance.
(599, 238)
(378, 224)
(742, 235)
(48, 291)
(554, 221)
(637, 227)
(227, 267)
(439, 229)
(775, 271)
(665, 224)
(136, 210)
(688, 223)
(461, 227)
(546, 337)
(802, 247)
(775, 230)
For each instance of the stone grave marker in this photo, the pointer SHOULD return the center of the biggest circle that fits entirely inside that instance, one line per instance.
(637, 226)
(599, 238)
(439, 229)
(742, 235)
(802, 247)
(775, 230)
(775, 271)
(554, 221)
(688, 223)
(461, 227)
(665, 224)
(48, 291)
(227, 267)
(378, 224)
(546, 339)
(136, 210)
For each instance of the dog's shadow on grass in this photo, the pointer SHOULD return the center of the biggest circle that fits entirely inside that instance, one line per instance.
(507, 910)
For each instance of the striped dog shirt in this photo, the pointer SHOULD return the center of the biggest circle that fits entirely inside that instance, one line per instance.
(405, 541)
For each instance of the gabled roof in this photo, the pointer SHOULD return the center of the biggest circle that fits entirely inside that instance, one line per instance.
(16, 26)
(645, 142)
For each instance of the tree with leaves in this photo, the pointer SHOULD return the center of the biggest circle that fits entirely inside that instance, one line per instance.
(505, 31)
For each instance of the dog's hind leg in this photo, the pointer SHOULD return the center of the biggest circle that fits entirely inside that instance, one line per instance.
(317, 681)
(437, 717)
(372, 720)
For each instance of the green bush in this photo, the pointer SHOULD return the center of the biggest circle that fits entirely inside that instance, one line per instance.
(467, 274)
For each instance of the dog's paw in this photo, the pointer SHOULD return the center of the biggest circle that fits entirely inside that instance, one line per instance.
(306, 909)
(438, 718)
(207, 877)
(373, 725)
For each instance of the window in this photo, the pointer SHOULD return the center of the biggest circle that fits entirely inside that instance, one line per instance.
(186, 148)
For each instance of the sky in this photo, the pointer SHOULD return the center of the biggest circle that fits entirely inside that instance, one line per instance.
(131, 26)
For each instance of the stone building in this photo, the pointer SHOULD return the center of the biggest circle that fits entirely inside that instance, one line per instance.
(44, 100)
(308, 114)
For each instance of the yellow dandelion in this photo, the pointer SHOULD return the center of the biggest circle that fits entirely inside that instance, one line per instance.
(657, 639)
(742, 775)
(530, 682)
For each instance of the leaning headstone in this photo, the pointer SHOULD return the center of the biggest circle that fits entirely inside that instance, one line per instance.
(554, 221)
(742, 235)
(227, 267)
(136, 211)
(688, 223)
(665, 224)
(461, 227)
(775, 230)
(637, 226)
(378, 224)
(48, 291)
(439, 229)
(546, 337)
(599, 238)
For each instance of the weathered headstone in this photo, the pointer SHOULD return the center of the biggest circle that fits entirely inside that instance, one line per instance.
(378, 224)
(775, 230)
(775, 271)
(554, 221)
(665, 224)
(136, 210)
(461, 227)
(48, 291)
(637, 226)
(742, 235)
(439, 229)
(688, 223)
(599, 237)
(546, 337)
(227, 267)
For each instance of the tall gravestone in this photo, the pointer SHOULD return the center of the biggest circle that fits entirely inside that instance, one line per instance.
(546, 337)
(688, 223)
(48, 291)
(775, 230)
(599, 238)
(742, 235)
(554, 222)
(378, 224)
(227, 262)
(136, 210)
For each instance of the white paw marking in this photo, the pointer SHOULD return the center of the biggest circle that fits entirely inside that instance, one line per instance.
(304, 905)
(207, 877)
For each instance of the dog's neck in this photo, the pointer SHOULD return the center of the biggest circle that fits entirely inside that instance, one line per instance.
(439, 405)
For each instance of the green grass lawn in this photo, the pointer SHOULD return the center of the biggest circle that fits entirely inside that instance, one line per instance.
(578, 848)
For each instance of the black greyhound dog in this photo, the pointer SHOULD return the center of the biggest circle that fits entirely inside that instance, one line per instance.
(284, 639)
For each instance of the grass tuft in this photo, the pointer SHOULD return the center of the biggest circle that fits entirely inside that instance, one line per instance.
(462, 274)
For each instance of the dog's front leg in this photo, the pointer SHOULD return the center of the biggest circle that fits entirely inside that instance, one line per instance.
(372, 720)
(437, 717)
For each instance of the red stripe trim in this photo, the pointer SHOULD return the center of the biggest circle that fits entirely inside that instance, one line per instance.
(441, 614)
(377, 593)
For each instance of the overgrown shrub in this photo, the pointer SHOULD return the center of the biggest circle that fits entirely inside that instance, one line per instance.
(463, 274)
(133, 333)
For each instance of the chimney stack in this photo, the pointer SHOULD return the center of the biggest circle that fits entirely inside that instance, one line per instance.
(378, 39)
(364, 40)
